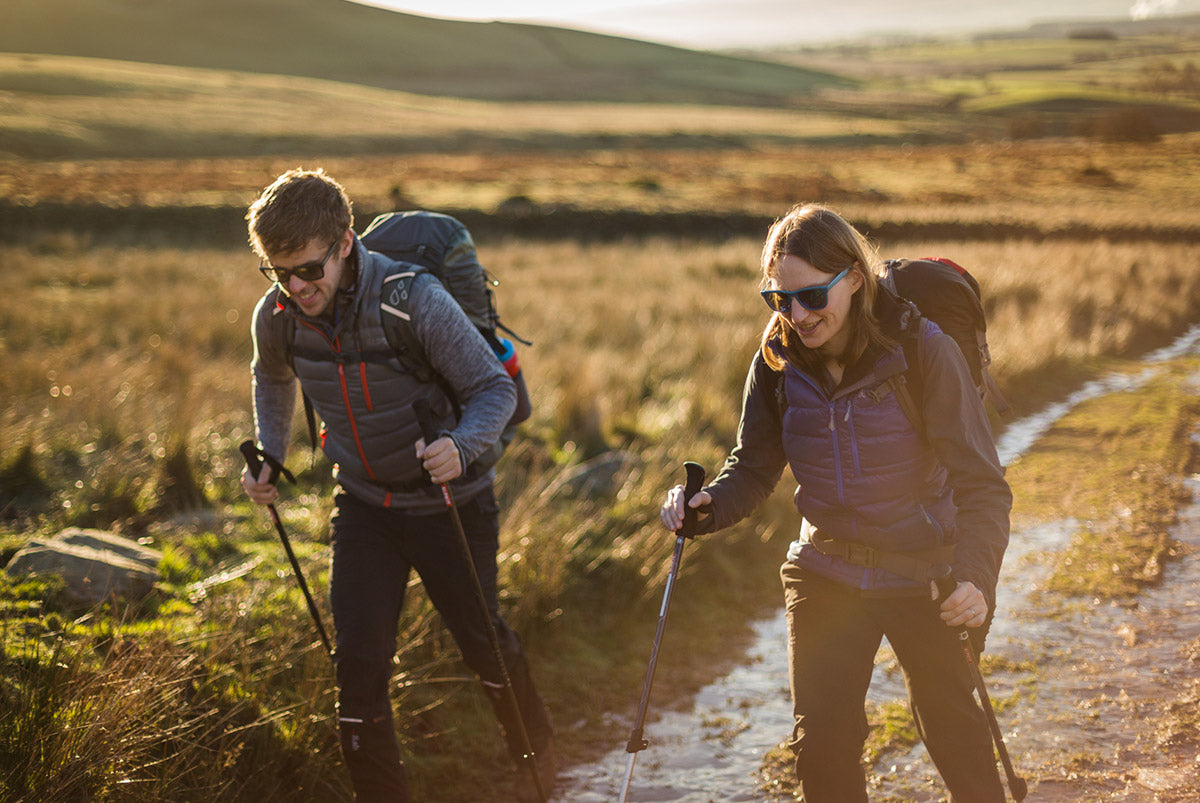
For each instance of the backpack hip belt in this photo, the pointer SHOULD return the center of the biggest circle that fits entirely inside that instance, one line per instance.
(913, 565)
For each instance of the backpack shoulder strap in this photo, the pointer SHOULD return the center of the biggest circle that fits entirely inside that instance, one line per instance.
(778, 389)
(909, 386)
(396, 316)
(989, 389)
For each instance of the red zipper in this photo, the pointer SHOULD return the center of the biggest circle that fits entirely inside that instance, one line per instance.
(353, 424)
(362, 375)
(336, 347)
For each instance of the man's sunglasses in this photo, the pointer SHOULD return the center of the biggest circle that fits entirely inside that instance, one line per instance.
(309, 272)
(811, 298)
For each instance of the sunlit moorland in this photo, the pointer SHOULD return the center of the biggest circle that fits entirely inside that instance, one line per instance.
(126, 383)
(127, 389)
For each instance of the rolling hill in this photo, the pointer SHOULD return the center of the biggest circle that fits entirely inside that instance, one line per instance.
(342, 41)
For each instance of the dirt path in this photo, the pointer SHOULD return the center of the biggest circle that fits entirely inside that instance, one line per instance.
(1115, 712)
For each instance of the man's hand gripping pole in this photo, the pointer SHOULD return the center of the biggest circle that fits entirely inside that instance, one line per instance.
(255, 457)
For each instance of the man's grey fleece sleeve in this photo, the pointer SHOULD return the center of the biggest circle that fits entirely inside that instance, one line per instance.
(463, 358)
(273, 384)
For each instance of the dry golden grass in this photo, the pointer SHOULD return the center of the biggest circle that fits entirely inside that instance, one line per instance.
(1075, 303)
(1053, 184)
(636, 342)
(125, 363)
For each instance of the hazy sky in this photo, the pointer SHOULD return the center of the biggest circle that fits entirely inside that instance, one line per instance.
(733, 23)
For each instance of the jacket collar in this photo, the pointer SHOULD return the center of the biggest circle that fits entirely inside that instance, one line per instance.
(897, 317)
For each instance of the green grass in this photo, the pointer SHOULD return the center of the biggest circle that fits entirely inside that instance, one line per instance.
(105, 707)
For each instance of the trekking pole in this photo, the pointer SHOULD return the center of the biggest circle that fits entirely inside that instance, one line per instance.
(429, 431)
(255, 458)
(1016, 784)
(695, 478)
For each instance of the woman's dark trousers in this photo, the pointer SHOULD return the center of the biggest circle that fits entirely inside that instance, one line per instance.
(833, 635)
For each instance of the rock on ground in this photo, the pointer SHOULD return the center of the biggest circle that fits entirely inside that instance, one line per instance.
(96, 566)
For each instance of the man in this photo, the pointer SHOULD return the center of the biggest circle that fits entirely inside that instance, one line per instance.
(321, 322)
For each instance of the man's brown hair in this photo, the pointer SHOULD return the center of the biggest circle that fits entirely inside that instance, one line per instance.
(299, 206)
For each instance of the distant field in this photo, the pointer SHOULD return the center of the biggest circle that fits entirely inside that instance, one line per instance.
(61, 107)
(1074, 58)
(350, 42)
(57, 107)
(1066, 80)
(1050, 186)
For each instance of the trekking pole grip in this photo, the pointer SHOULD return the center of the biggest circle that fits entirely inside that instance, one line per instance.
(695, 479)
(429, 431)
(255, 458)
(943, 578)
(426, 420)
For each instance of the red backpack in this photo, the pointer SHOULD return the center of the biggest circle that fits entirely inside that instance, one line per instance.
(947, 294)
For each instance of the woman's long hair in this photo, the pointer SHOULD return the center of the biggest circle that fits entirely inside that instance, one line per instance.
(824, 240)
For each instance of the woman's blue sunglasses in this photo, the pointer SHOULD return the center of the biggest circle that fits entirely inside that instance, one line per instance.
(811, 298)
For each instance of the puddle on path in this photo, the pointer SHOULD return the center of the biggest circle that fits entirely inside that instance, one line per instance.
(712, 753)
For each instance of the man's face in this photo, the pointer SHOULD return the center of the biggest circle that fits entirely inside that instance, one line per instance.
(314, 296)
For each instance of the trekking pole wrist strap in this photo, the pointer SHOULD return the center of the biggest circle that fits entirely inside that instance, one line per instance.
(255, 457)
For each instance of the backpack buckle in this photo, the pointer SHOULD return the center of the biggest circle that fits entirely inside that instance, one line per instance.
(861, 555)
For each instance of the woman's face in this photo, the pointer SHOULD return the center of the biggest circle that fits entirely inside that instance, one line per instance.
(826, 329)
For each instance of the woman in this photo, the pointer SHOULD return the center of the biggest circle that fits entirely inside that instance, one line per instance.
(882, 500)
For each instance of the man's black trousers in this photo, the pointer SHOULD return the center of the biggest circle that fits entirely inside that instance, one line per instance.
(374, 551)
